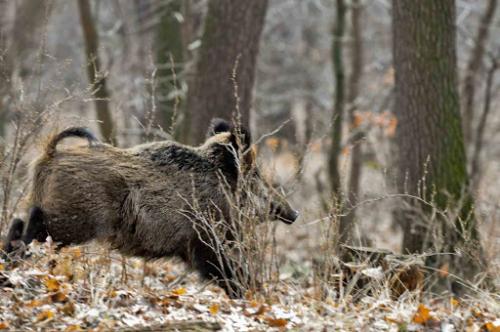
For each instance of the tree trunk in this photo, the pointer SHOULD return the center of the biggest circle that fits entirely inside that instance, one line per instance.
(225, 71)
(169, 62)
(347, 222)
(96, 79)
(338, 107)
(5, 68)
(20, 44)
(432, 161)
(29, 17)
(473, 65)
(475, 169)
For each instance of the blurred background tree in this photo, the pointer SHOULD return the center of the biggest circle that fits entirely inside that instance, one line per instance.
(171, 49)
(473, 66)
(356, 134)
(432, 159)
(225, 69)
(96, 76)
(338, 104)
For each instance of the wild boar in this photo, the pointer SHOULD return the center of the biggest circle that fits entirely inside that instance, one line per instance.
(146, 201)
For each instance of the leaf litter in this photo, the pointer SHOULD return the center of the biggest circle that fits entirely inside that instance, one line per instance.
(83, 288)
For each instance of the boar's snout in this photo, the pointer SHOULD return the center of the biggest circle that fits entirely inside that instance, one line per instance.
(284, 212)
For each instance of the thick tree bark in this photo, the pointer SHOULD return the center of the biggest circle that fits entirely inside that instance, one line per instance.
(432, 161)
(338, 107)
(169, 62)
(230, 44)
(96, 79)
(473, 65)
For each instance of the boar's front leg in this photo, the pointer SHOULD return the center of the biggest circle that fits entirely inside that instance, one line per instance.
(216, 266)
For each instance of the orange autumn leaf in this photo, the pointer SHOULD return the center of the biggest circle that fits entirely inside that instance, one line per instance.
(179, 291)
(44, 315)
(390, 130)
(490, 327)
(454, 302)
(276, 322)
(4, 325)
(272, 143)
(73, 328)
(357, 120)
(254, 303)
(112, 293)
(476, 313)
(34, 303)
(52, 284)
(262, 309)
(214, 309)
(422, 315)
(2, 267)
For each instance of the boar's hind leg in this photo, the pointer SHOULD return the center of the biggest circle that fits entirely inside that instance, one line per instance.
(36, 229)
(208, 263)
(13, 236)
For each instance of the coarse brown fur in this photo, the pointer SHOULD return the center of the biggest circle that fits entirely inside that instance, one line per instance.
(143, 201)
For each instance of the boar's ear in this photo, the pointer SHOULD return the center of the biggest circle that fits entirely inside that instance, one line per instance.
(217, 126)
(240, 137)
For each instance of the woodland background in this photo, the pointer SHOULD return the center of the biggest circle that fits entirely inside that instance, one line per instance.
(379, 119)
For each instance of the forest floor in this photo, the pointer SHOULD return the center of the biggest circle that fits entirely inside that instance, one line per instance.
(89, 288)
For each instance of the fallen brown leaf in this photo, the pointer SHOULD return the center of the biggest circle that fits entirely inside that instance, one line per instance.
(490, 327)
(52, 284)
(260, 311)
(34, 303)
(58, 297)
(276, 322)
(214, 309)
(44, 315)
(392, 320)
(179, 291)
(73, 328)
(422, 315)
(68, 308)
